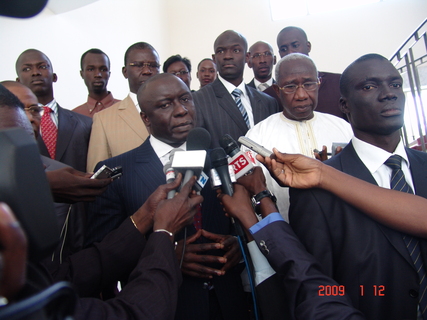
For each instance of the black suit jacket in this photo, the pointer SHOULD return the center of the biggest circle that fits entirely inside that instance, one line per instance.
(217, 111)
(301, 277)
(73, 139)
(368, 258)
(142, 174)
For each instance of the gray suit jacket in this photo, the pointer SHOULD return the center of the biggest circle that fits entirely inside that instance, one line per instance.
(73, 139)
(217, 111)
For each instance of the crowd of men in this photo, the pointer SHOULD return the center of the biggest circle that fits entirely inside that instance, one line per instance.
(314, 254)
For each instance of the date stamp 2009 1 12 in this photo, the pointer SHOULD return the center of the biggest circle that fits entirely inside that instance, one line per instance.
(336, 290)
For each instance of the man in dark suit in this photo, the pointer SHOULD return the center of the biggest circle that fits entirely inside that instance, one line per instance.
(35, 71)
(368, 258)
(219, 110)
(212, 285)
(261, 60)
(293, 40)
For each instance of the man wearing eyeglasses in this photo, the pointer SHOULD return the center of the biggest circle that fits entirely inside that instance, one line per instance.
(180, 67)
(298, 129)
(119, 128)
(261, 59)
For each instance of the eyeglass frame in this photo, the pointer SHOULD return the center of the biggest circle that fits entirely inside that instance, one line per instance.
(142, 65)
(300, 86)
(32, 110)
(261, 54)
(183, 72)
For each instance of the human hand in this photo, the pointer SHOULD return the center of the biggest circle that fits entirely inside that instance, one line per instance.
(144, 216)
(193, 262)
(253, 182)
(230, 245)
(239, 206)
(13, 244)
(174, 214)
(69, 185)
(294, 170)
(322, 155)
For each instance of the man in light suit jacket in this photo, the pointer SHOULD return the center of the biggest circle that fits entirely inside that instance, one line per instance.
(211, 286)
(368, 258)
(119, 128)
(261, 60)
(35, 71)
(217, 109)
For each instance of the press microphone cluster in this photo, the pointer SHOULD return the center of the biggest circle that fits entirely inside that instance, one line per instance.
(191, 162)
(239, 160)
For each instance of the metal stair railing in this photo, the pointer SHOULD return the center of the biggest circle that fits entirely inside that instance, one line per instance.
(411, 61)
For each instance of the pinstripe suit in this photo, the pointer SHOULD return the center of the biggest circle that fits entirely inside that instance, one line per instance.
(73, 139)
(217, 111)
(142, 174)
(115, 130)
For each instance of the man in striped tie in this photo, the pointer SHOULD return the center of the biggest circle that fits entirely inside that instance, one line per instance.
(227, 105)
(382, 270)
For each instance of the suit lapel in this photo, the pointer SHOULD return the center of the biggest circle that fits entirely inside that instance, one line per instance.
(352, 165)
(129, 114)
(148, 166)
(66, 126)
(255, 101)
(226, 102)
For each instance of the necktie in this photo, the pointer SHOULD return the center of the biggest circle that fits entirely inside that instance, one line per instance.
(398, 182)
(49, 132)
(236, 94)
(262, 86)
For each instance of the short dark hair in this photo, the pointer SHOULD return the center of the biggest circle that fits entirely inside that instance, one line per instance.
(345, 76)
(95, 51)
(8, 99)
(176, 58)
(138, 46)
(290, 28)
(205, 59)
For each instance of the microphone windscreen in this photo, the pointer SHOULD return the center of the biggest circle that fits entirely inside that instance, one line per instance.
(198, 139)
(229, 145)
(218, 157)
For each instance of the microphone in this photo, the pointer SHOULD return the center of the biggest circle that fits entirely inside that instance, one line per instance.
(170, 171)
(238, 159)
(220, 163)
(170, 176)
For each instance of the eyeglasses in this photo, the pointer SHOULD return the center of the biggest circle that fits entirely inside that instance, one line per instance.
(142, 65)
(259, 55)
(34, 110)
(179, 73)
(292, 88)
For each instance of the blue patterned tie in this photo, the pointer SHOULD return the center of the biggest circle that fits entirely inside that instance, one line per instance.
(236, 94)
(398, 183)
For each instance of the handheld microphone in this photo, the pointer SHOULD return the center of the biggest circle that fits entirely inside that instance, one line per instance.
(220, 163)
(238, 159)
(170, 176)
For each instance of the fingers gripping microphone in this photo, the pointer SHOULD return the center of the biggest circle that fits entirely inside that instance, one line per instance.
(238, 159)
(220, 163)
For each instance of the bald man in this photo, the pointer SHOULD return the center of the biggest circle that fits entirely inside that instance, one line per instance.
(261, 60)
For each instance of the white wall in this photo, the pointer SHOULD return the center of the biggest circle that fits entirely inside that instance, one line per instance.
(189, 27)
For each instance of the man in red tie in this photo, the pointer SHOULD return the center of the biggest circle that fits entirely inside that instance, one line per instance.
(64, 134)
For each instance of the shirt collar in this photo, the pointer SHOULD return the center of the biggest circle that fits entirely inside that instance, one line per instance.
(374, 157)
(162, 149)
(230, 87)
(134, 99)
(92, 102)
(52, 105)
(257, 83)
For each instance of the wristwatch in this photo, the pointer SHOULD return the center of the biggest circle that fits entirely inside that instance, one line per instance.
(256, 199)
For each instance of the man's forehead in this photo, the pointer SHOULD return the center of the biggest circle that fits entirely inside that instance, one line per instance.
(147, 52)
(260, 47)
(33, 57)
(373, 69)
(291, 67)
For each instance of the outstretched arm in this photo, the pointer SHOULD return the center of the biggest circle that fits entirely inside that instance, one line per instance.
(402, 211)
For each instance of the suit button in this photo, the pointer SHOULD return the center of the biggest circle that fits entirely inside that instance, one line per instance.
(413, 293)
